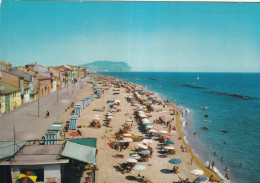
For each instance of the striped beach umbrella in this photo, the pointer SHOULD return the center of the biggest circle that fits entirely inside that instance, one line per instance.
(27, 177)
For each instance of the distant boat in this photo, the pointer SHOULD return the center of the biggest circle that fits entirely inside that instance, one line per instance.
(198, 78)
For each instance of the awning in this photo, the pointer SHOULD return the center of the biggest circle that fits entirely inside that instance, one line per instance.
(79, 152)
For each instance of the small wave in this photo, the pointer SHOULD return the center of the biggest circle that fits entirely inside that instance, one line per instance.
(222, 177)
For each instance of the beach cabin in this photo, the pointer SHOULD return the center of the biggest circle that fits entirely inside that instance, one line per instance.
(98, 92)
(73, 122)
(83, 103)
(50, 137)
(56, 129)
(78, 108)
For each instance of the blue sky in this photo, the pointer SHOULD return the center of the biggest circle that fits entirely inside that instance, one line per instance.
(149, 36)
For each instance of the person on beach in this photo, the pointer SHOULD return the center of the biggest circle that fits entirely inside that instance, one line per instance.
(215, 153)
(240, 164)
(212, 165)
(47, 114)
(209, 165)
(191, 160)
(195, 133)
(227, 177)
(221, 159)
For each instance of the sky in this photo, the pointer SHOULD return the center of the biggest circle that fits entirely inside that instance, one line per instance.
(149, 36)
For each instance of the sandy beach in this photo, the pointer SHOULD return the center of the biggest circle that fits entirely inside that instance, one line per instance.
(158, 169)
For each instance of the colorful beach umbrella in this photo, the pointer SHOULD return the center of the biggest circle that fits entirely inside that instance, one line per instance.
(169, 142)
(201, 179)
(155, 128)
(74, 134)
(169, 134)
(175, 161)
(122, 141)
(127, 135)
(129, 120)
(164, 117)
(27, 177)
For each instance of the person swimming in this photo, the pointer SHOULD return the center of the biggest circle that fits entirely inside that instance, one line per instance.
(227, 169)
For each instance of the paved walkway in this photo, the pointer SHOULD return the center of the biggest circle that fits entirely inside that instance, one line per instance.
(26, 121)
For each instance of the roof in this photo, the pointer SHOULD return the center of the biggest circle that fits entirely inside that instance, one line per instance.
(7, 149)
(55, 128)
(79, 152)
(6, 88)
(92, 142)
(38, 154)
(57, 123)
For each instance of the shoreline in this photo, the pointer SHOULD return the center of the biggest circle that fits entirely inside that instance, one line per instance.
(207, 171)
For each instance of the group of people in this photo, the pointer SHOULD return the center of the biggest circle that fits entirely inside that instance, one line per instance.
(176, 170)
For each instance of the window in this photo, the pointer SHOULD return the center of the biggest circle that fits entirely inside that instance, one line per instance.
(38, 172)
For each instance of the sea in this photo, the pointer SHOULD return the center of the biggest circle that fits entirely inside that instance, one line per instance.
(233, 122)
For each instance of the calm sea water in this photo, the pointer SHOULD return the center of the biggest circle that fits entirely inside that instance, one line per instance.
(239, 116)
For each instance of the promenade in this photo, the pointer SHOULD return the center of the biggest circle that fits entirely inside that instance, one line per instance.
(25, 118)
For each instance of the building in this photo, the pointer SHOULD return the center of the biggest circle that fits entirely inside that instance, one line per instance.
(39, 68)
(59, 163)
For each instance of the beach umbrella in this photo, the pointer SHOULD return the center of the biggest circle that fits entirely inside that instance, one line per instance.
(169, 142)
(122, 141)
(142, 146)
(109, 114)
(131, 160)
(135, 156)
(147, 141)
(169, 148)
(201, 179)
(164, 117)
(169, 134)
(149, 127)
(74, 134)
(117, 101)
(153, 131)
(145, 120)
(142, 115)
(129, 120)
(175, 161)
(26, 177)
(155, 128)
(110, 117)
(197, 172)
(147, 124)
(163, 131)
(145, 152)
(128, 139)
(114, 107)
(127, 135)
(139, 167)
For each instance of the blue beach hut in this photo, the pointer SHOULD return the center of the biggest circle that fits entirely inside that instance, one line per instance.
(73, 122)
